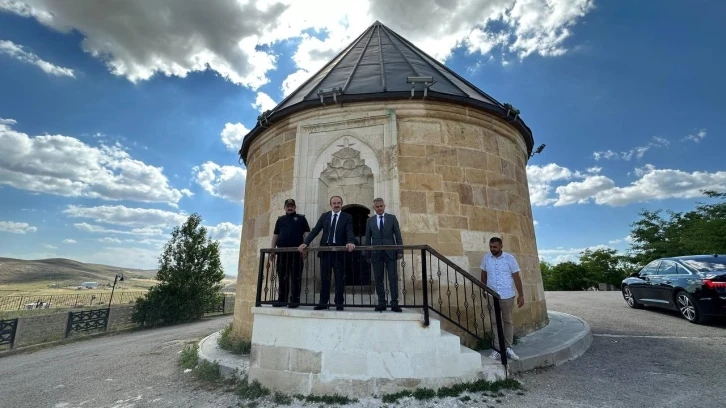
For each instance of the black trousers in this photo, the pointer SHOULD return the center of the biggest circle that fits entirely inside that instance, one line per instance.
(334, 261)
(391, 266)
(289, 276)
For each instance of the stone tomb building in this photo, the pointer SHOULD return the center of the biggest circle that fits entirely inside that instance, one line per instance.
(383, 119)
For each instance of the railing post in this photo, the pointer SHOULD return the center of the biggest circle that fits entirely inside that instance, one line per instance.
(69, 323)
(260, 276)
(424, 287)
(500, 331)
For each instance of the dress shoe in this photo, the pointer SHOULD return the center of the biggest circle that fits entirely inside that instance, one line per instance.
(338, 307)
(380, 308)
(396, 308)
(320, 307)
(278, 304)
(292, 306)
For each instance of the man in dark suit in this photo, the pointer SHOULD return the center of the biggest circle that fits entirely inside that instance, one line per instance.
(337, 228)
(383, 229)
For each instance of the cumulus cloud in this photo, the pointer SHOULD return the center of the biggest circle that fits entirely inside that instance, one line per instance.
(16, 227)
(226, 233)
(66, 166)
(137, 39)
(226, 182)
(652, 184)
(263, 102)
(19, 53)
(130, 217)
(69, 241)
(636, 152)
(232, 135)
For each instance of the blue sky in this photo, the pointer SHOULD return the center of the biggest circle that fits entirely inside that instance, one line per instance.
(116, 123)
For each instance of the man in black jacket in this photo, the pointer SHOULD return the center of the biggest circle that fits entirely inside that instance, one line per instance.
(337, 228)
(383, 229)
(290, 230)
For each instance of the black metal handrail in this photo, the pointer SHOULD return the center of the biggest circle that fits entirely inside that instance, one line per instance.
(427, 280)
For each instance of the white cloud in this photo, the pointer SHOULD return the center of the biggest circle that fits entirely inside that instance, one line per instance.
(561, 254)
(627, 239)
(69, 241)
(226, 233)
(581, 191)
(652, 184)
(124, 257)
(66, 166)
(137, 39)
(130, 217)
(263, 102)
(540, 179)
(49, 246)
(696, 137)
(226, 182)
(97, 229)
(16, 227)
(636, 152)
(109, 240)
(232, 135)
(19, 53)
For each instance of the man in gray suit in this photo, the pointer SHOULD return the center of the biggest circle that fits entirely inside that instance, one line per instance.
(383, 229)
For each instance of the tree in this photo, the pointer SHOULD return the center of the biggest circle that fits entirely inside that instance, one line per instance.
(603, 265)
(700, 231)
(190, 275)
(569, 276)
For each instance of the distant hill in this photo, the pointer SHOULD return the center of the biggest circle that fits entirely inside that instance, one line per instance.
(19, 275)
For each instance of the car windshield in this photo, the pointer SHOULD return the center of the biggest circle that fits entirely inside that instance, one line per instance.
(707, 265)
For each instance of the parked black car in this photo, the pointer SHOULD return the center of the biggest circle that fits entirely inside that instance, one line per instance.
(693, 285)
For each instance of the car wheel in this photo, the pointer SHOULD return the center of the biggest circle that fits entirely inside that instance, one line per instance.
(630, 299)
(688, 307)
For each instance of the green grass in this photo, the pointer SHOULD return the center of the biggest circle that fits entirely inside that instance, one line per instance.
(282, 399)
(235, 345)
(481, 386)
(189, 356)
(330, 399)
(251, 391)
(207, 372)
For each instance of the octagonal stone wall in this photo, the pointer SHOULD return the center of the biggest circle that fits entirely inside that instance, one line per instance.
(454, 176)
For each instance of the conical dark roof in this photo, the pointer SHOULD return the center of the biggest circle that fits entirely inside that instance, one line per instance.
(382, 65)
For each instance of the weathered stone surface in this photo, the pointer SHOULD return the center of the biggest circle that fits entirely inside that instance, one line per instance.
(420, 132)
(472, 158)
(415, 201)
(453, 221)
(464, 135)
(422, 182)
(442, 155)
(446, 203)
(415, 165)
(509, 222)
(451, 173)
(406, 149)
(497, 199)
(464, 191)
(476, 176)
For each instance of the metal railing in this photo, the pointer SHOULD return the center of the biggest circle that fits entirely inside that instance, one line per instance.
(8, 328)
(30, 302)
(426, 280)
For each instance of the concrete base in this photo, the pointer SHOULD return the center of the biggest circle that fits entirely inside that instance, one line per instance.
(358, 352)
(565, 338)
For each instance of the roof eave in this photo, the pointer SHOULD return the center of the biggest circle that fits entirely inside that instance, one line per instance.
(276, 116)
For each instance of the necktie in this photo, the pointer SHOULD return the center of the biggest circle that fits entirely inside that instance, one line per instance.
(380, 223)
(331, 233)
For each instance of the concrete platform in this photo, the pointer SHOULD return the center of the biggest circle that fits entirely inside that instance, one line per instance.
(565, 338)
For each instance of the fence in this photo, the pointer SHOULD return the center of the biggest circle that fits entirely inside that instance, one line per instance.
(29, 302)
(26, 331)
(426, 280)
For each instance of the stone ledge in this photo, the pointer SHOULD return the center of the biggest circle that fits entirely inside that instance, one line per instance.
(565, 338)
(230, 365)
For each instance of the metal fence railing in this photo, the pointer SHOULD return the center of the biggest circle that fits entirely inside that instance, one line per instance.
(71, 300)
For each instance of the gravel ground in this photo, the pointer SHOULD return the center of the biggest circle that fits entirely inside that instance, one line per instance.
(638, 358)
